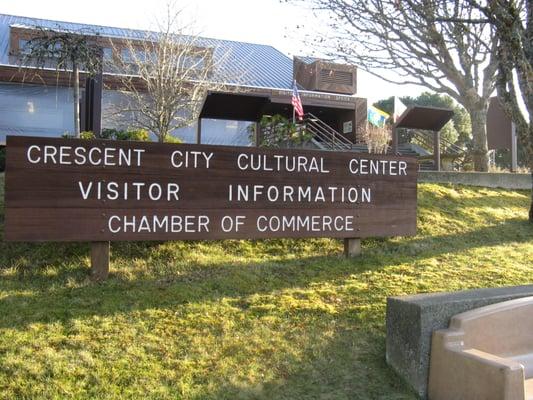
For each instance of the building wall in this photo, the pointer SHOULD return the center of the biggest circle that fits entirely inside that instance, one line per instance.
(38, 110)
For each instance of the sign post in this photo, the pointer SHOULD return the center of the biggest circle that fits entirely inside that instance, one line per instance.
(352, 247)
(99, 261)
(101, 191)
(92, 121)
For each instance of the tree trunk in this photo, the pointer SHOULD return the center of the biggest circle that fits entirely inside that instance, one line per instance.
(478, 118)
(76, 74)
(531, 206)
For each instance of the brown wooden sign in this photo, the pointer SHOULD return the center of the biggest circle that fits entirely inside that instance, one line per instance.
(98, 190)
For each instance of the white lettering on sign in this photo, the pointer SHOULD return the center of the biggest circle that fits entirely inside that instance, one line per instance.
(308, 223)
(190, 159)
(97, 156)
(365, 166)
(299, 194)
(232, 224)
(279, 163)
(141, 190)
(158, 224)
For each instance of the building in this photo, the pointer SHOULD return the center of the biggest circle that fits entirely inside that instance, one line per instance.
(43, 106)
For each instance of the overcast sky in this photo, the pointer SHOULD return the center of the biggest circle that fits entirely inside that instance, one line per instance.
(257, 21)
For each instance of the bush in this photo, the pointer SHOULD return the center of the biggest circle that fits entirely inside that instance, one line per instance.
(2, 158)
(87, 135)
(108, 133)
(140, 135)
(83, 135)
(278, 131)
(173, 139)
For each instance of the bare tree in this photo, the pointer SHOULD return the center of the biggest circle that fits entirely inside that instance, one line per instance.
(512, 22)
(65, 50)
(166, 77)
(403, 36)
(377, 138)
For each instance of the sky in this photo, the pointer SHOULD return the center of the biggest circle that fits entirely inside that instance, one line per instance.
(268, 22)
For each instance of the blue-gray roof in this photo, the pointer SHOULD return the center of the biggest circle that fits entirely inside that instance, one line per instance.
(241, 63)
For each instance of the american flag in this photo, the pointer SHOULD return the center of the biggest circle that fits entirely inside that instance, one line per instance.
(297, 102)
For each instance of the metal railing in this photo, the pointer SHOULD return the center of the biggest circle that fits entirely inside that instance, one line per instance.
(426, 141)
(324, 135)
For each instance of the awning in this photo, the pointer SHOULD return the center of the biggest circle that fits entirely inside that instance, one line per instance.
(426, 118)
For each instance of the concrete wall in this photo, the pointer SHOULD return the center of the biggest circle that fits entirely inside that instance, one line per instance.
(485, 179)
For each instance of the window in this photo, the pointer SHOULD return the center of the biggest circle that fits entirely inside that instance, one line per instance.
(137, 55)
(194, 62)
(23, 46)
(107, 53)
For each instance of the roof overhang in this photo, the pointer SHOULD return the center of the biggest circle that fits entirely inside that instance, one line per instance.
(425, 118)
(233, 106)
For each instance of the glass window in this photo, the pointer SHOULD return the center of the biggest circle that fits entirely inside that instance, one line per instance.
(107, 53)
(23, 46)
(125, 54)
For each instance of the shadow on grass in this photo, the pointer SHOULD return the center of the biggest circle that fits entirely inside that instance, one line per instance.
(51, 280)
(348, 365)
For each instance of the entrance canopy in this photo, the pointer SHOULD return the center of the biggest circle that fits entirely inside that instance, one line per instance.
(425, 118)
(233, 107)
(251, 106)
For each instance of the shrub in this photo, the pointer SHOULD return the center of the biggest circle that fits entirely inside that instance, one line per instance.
(108, 133)
(278, 131)
(83, 135)
(140, 135)
(129, 134)
(87, 135)
(173, 139)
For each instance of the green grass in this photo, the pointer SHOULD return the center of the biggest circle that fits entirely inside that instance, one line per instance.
(280, 319)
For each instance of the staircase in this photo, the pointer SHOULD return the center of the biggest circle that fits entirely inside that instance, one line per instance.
(426, 142)
(324, 136)
(415, 144)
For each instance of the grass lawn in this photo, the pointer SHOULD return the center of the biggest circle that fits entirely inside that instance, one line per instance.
(279, 319)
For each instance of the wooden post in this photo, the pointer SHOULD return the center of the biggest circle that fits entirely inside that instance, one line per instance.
(352, 247)
(436, 150)
(394, 140)
(99, 261)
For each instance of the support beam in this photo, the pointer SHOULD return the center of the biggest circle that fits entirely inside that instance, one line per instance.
(98, 88)
(352, 247)
(436, 150)
(258, 138)
(99, 261)
(394, 140)
(199, 131)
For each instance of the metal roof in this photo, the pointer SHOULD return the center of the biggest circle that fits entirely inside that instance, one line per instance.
(240, 63)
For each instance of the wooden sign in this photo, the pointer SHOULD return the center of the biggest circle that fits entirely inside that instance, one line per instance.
(98, 190)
